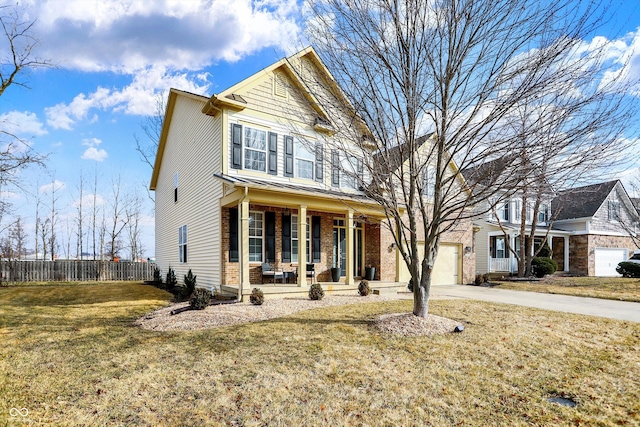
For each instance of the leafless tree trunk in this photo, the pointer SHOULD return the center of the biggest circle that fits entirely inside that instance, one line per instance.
(133, 213)
(80, 218)
(118, 218)
(460, 70)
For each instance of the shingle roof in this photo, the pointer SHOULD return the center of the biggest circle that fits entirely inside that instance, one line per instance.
(581, 202)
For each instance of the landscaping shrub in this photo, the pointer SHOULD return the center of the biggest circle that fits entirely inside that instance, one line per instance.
(200, 299)
(545, 251)
(410, 285)
(363, 288)
(315, 292)
(190, 283)
(486, 277)
(479, 279)
(543, 266)
(157, 276)
(171, 280)
(628, 269)
(256, 297)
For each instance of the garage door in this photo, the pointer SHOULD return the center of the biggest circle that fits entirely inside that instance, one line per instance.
(607, 260)
(446, 270)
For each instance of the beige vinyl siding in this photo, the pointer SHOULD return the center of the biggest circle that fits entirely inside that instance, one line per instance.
(193, 150)
(482, 251)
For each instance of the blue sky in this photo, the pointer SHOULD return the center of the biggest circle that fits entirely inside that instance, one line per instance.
(114, 57)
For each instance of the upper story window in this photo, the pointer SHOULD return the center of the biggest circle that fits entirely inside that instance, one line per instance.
(503, 212)
(255, 149)
(175, 188)
(613, 210)
(351, 172)
(429, 182)
(304, 160)
(543, 213)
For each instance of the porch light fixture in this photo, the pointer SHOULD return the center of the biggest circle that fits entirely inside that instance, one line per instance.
(467, 249)
(393, 246)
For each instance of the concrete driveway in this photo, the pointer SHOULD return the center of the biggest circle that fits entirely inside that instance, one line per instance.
(620, 310)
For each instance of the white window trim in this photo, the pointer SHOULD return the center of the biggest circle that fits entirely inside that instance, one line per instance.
(261, 237)
(246, 148)
(294, 223)
(297, 142)
(182, 243)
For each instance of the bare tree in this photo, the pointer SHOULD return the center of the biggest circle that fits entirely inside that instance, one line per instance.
(16, 60)
(80, 218)
(118, 219)
(458, 69)
(133, 214)
(152, 128)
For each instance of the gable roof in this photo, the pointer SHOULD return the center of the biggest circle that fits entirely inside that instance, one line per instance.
(394, 157)
(581, 202)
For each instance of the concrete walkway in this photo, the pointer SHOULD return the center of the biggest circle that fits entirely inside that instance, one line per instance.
(620, 310)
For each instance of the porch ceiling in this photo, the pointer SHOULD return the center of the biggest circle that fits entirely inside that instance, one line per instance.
(289, 195)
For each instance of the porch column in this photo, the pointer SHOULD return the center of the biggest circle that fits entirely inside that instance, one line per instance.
(566, 253)
(302, 246)
(245, 282)
(348, 278)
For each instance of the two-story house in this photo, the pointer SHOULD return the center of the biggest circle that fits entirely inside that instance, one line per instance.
(246, 177)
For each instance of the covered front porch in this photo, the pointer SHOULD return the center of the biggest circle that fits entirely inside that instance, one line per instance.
(305, 235)
(503, 260)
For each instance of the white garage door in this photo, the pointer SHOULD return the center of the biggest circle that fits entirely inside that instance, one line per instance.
(607, 260)
(446, 270)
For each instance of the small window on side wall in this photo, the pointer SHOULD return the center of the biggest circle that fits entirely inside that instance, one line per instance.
(175, 188)
(182, 243)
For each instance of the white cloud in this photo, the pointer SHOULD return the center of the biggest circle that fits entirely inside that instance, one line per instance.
(93, 153)
(22, 123)
(138, 98)
(128, 35)
(55, 185)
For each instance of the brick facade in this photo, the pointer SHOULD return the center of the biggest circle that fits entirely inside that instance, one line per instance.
(582, 258)
(371, 247)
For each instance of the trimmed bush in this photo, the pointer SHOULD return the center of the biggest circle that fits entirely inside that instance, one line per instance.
(486, 277)
(157, 275)
(628, 269)
(256, 297)
(200, 299)
(363, 288)
(315, 292)
(543, 266)
(479, 280)
(545, 251)
(410, 285)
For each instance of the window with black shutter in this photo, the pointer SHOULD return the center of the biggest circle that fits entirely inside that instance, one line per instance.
(233, 235)
(319, 162)
(273, 153)
(335, 168)
(315, 238)
(270, 236)
(236, 139)
(288, 156)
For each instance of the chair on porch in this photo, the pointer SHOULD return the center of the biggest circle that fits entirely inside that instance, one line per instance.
(311, 272)
(269, 272)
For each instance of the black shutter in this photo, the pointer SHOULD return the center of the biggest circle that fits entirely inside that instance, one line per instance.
(273, 153)
(335, 168)
(286, 238)
(270, 236)
(236, 139)
(288, 156)
(315, 238)
(319, 161)
(360, 177)
(233, 235)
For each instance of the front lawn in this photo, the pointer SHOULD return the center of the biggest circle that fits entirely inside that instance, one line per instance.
(615, 288)
(71, 356)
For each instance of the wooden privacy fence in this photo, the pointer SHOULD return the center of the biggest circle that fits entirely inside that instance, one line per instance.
(69, 271)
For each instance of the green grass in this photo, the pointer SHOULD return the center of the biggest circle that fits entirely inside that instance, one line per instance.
(71, 356)
(614, 288)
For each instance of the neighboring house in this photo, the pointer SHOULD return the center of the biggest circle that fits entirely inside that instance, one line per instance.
(498, 228)
(602, 220)
(243, 178)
